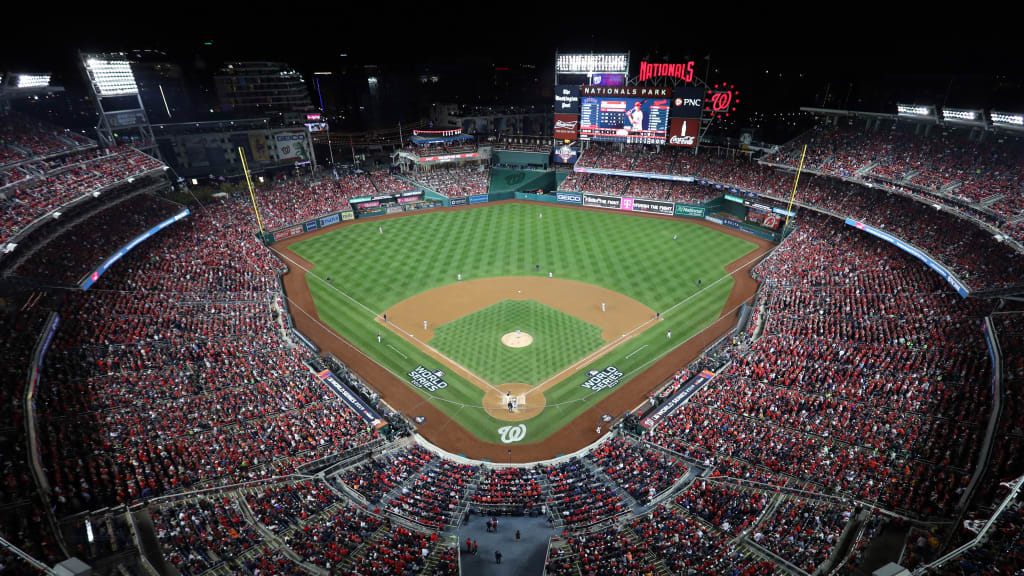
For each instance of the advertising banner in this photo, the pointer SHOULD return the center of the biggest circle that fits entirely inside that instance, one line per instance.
(478, 199)
(652, 206)
(347, 215)
(353, 400)
(689, 389)
(613, 202)
(92, 278)
(287, 233)
(689, 210)
(291, 145)
(939, 269)
(309, 226)
(569, 197)
(567, 100)
(683, 132)
(460, 201)
(687, 102)
(258, 145)
(328, 220)
(567, 126)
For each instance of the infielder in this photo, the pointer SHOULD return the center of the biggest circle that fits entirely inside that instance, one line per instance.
(424, 324)
(602, 306)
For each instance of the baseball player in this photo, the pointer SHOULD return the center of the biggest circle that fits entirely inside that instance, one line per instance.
(635, 118)
(424, 324)
(602, 306)
(378, 336)
(380, 229)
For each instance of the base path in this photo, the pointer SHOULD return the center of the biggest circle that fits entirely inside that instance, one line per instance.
(449, 434)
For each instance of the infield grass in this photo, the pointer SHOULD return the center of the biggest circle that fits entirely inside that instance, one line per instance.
(558, 340)
(637, 256)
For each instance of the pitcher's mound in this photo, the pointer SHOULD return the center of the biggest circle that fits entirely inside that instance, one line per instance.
(514, 340)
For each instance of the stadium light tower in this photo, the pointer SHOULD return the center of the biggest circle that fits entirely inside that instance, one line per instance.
(122, 116)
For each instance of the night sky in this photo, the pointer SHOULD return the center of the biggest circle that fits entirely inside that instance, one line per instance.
(780, 59)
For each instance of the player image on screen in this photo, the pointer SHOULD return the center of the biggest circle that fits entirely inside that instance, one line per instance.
(636, 118)
(630, 120)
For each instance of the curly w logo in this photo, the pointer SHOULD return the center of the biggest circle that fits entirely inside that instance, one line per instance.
(510, 434)
(511, 179)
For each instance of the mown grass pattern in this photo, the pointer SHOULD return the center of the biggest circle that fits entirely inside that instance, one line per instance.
(475, 341)
(632, 255)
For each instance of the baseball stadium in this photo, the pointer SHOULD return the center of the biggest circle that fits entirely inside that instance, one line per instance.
(599, 336)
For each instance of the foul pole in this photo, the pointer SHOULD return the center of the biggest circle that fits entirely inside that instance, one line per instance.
(252, 194)
(789, 208)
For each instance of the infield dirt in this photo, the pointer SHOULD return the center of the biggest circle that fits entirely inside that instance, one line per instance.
(446, 433)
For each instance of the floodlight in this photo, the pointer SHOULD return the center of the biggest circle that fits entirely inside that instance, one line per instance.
(1006, 119)
(914, 110)
(33, 80)
(112, 77)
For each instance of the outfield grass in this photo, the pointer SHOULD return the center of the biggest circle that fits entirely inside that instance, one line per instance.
(475, 341)
(636, 256)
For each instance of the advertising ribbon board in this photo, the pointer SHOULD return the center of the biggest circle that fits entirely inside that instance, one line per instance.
(353, 400)
(682, 395)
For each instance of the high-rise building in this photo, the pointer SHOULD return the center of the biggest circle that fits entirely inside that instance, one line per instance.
(263, 89)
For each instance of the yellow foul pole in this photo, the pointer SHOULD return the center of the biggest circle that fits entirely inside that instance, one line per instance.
(252, 194)
(789, 209)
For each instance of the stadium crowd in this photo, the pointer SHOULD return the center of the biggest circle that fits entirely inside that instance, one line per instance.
(454, 181)
(31, 198)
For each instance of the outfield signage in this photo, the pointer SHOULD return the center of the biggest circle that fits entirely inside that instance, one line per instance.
(653, 206)
(460, 201)
(287, 232)
(739, 226)
(569, 197)
(353, 400)
(939, 269)
(478, 199)
(427, 380)
(613, 202)
(603, 380)
(309, 226)
(629, 204)
(347, 215)
(677, 400)
(689, 210)
(328, 220)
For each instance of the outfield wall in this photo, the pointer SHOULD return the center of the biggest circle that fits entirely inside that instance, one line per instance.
(513, 180)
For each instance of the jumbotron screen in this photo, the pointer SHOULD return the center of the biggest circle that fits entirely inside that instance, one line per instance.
(624, 118)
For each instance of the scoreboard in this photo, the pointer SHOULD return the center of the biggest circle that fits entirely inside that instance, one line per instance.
(633, 115)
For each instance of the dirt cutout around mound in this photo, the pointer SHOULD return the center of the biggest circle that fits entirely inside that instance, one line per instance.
(517, 339)
(446, 433)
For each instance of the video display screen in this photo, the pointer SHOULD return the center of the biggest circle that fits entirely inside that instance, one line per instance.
(630, 120)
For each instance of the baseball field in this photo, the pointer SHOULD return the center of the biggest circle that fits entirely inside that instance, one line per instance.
(513, 319)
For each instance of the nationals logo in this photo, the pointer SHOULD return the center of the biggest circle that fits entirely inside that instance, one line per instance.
(510, 434)
(682, 71)
(721, 100)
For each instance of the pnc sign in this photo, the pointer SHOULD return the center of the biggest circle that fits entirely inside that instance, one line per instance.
(683, 71)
